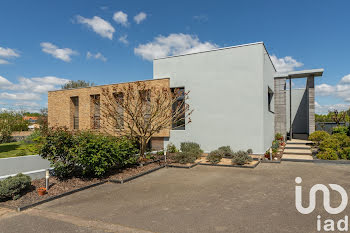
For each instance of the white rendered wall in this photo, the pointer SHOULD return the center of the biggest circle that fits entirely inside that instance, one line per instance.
(227, 93)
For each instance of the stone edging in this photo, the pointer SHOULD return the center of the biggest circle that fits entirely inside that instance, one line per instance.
(226, 165)
(135, 176)
(182, 166)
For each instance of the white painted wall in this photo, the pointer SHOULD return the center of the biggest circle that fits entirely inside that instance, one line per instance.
(227, 93)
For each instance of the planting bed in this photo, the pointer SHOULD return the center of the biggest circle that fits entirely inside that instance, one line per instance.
(60, 188)
(227, 162)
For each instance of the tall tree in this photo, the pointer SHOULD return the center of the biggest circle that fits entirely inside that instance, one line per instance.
(77, 84)
(138, 111)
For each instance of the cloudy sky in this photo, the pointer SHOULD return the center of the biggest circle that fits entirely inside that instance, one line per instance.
(44, 44)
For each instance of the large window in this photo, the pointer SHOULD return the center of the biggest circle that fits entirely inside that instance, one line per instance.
(119, 110)
(179, 105)
(269, 99)
(75, 112)
(95, 102)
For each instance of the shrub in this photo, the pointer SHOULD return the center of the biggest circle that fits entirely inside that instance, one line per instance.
(318, 136)
(86, 154)
(215, 156)
(21, 153)
(191, 147)
(250, 151)
(185, 157)
(330, 143)
(346, 153)
(241, 157)
(171, 148)
(279, 136)
(275, 145)
(340, 129)
(13, 187)
(343, 139)
(226, 151)
(328, 154)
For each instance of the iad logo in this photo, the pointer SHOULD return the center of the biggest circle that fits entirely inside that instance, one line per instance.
(329, 224)
(326, 198)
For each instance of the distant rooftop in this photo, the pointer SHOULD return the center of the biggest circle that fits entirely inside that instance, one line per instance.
(300, 74)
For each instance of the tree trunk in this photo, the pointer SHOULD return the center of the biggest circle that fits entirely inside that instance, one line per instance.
(142, 147)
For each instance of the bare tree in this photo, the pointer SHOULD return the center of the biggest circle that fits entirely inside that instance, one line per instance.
(140, 111)
(338, 116)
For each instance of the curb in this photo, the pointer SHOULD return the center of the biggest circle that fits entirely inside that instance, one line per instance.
(21, 208)
(180, 166)
(224, 165)
(268, 161)
(135, 176)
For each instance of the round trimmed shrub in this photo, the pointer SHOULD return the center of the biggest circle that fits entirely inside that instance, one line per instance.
(192, 148)
(241, 157)
(215, 156)
(226, 151)
(13, 187)
(328, 154)
(330, 143)
(318, 136)
(171, 148)
(185, 157)
(340, 129)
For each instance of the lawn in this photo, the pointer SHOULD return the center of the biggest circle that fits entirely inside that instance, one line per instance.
(15, 149)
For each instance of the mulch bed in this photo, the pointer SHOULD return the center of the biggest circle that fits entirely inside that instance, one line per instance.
(227, 162)
(59, 188)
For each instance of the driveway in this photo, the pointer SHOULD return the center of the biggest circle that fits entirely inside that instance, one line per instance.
(201, 199)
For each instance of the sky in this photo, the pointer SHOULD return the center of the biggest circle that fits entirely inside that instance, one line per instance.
(44, 44)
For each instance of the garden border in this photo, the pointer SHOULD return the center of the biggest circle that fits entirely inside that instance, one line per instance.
(182, 166)
(268, 161)
(226, 165)
(24, 207)
(122, 181)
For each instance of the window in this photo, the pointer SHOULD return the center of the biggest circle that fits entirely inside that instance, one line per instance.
(179, 106)
(269, 98)
(75, 112)
(146, 100)
(95, 101)
(119, 110)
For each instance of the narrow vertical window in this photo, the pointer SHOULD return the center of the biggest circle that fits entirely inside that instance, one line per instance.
(179, 107)
(146, 102)
(75, 102)
(269, 99)
(95, 100)
(119, 97)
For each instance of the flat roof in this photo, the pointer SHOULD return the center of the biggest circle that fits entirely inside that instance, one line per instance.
(301, 74)
(217, 49)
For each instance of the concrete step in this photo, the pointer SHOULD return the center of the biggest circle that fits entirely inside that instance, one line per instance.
(296, 157)
(297, 146)
(297, 151)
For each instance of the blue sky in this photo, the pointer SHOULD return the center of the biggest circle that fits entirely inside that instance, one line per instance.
(45, 43)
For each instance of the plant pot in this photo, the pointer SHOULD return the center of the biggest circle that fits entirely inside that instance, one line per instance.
(41, 191)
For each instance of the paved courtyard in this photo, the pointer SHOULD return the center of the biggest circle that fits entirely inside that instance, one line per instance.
(201, 199)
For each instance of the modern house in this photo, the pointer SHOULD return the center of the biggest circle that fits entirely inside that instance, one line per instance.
(238, 99)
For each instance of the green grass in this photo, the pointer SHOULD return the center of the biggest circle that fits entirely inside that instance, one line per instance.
(14, 149)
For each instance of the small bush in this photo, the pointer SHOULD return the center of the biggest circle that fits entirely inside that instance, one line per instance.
(250, 151)
(346, 153)
(343, 139)
(215, 156)
(191, 147)
(340, 129)
(226, 151)
(241, 157)
(318, 136)
(328, 154)
(330, 143)
(185, 157)
(275, 145)
(21, 153)
(13, 187)
(171, 148)
(279, 137)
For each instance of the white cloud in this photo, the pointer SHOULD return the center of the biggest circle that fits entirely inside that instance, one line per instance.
(174, 44)
(124, 39)
(345, 79)
(324, 89)
(285, 64)
(98, 25)
(98, 56)
(140, 17)
(121, 18)
(8, 54)
(19, 96)
(201, 18)
(34, 85)
(324, 109)
(340, 90)
(62, 54)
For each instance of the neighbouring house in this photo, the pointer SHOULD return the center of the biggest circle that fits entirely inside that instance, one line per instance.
(238, 97)
(33, 122)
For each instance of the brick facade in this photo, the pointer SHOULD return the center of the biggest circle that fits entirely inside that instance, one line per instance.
(61, 107)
